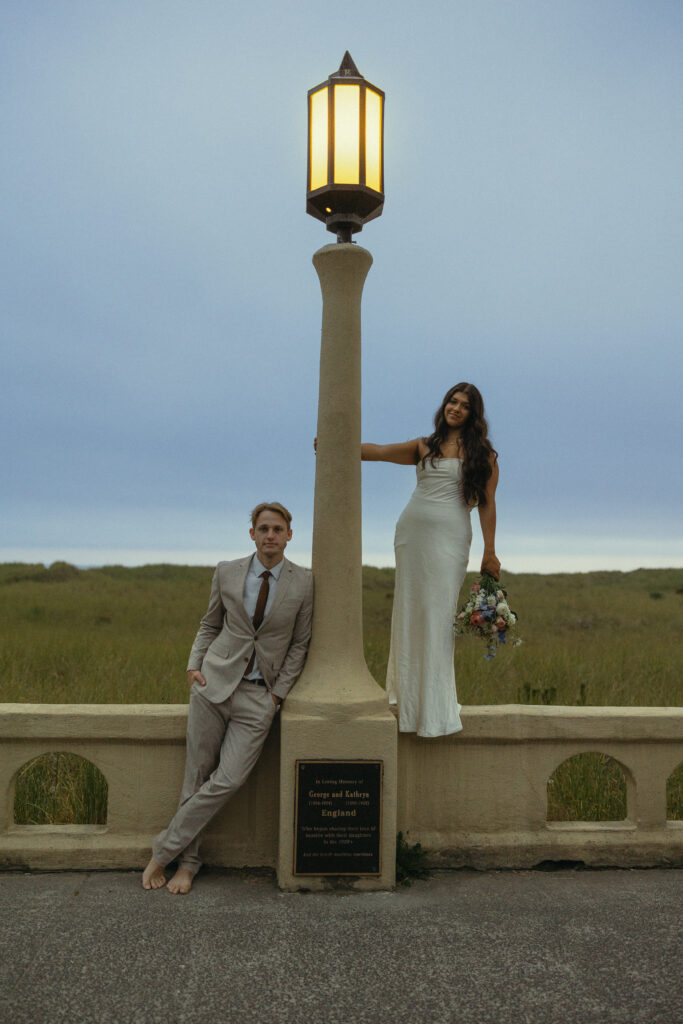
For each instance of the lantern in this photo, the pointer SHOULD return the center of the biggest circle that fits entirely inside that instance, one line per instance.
(345, 151)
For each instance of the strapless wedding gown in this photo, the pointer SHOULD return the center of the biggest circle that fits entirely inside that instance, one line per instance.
(432, 546)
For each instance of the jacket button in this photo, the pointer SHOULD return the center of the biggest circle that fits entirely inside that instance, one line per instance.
(246, 659)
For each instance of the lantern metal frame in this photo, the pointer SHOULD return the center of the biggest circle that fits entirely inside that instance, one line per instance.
(344, 207)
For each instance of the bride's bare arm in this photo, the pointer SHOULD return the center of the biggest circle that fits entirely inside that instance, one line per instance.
(405, 454)
(487, 519)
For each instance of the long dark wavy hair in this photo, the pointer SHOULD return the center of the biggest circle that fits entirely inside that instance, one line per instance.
(477, 449)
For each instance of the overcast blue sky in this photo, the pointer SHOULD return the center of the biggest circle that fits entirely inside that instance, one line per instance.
(157, 289)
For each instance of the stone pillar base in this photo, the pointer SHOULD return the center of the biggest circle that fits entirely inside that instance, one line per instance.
(311, 737)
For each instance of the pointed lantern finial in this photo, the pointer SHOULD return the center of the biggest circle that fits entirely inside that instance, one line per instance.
(347, 67)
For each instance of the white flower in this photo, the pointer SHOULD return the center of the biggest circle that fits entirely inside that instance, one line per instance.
(503, 608)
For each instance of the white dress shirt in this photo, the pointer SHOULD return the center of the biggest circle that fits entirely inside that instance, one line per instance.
(252, 585)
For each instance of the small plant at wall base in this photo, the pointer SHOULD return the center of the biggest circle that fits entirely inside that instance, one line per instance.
(410, 861)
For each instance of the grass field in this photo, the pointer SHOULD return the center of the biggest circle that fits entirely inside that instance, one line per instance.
(118, 635)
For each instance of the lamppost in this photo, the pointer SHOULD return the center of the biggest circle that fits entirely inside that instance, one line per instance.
(338, 735)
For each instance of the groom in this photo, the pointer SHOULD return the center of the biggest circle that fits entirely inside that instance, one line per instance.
(247, 655)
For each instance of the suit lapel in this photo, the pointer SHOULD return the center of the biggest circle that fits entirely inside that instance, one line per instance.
(282, 587)
(236, 581)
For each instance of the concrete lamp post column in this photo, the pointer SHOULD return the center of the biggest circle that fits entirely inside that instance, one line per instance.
(337, 712)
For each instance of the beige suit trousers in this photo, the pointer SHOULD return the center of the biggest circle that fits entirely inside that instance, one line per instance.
(224, 741)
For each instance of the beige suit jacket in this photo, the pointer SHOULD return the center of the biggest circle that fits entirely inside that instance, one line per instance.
(226, 637)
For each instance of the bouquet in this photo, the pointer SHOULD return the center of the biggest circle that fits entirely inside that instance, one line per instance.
(487, 614)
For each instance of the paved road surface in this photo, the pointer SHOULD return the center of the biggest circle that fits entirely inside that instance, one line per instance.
(508, 947)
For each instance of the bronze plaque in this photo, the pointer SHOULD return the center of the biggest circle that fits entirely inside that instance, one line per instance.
(338, 818)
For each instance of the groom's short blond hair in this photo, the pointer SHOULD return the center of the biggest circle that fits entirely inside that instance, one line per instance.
(271, 506)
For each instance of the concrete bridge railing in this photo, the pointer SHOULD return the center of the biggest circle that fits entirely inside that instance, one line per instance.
(476, 799)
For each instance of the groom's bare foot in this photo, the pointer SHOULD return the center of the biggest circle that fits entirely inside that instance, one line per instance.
(181, 883)
(153, 876)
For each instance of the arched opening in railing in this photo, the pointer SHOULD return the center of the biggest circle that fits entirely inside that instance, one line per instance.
(60, 789)
(588, 787)
(674, 795)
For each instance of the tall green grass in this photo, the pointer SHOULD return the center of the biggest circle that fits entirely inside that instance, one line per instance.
(119, 635)
(600, 638)
(587, 787)
(60, 788)
(112, 635)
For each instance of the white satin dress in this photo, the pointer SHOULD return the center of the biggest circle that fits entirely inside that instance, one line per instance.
(432, 546)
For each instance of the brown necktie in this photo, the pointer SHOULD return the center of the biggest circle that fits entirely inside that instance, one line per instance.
(257, 619)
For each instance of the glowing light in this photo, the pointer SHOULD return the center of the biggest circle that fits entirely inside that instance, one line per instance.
(345, 151)
(347, 134)
(318, 141)
(373, 140)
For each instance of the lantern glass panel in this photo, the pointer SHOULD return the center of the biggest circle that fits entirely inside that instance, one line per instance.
(318, 139)
(373, 140)
(347, 134)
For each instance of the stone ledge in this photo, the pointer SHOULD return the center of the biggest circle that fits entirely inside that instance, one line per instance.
(504, 723)
(96, 848)
(71, 848)
(589, 844)
(87, 722)
(93, 848)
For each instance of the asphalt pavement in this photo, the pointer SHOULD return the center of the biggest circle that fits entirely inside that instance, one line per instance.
(497, 947)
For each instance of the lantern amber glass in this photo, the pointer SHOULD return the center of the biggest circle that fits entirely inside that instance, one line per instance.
(318, 141)
(373, 140)
(346, 134)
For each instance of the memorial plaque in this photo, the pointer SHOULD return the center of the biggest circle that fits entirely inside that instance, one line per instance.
(338, 818)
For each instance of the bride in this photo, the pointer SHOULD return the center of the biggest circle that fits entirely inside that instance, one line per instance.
(457, 468)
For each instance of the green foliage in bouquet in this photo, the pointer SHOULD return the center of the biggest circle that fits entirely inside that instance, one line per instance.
(487, 614)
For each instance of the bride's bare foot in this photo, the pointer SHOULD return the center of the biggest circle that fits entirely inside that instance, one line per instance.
(181, 882)
(153, 876)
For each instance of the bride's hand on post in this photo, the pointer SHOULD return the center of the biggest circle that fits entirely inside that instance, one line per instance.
(491, 565)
